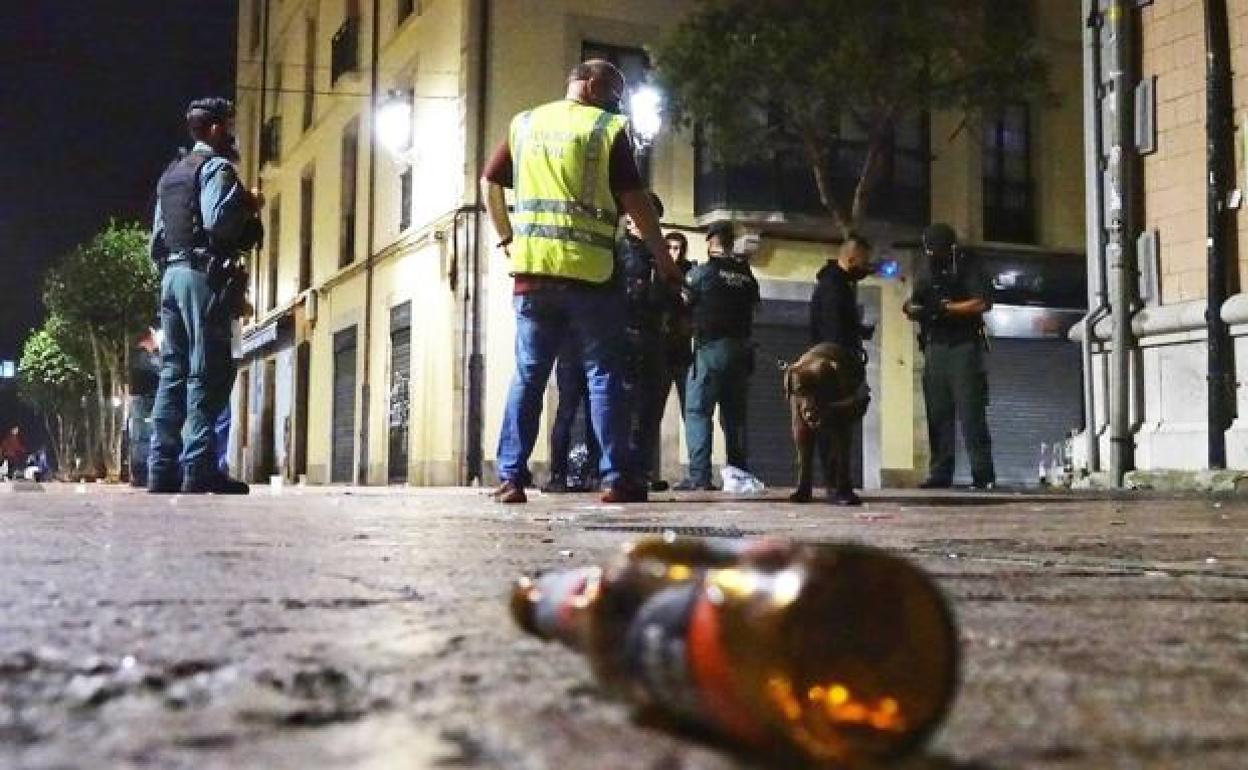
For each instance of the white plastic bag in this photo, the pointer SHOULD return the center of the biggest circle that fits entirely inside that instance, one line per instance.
(739, 482)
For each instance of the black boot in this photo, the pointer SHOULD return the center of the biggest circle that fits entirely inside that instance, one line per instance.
(216, 484)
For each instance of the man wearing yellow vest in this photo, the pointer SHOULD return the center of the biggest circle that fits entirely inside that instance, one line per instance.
(570, 164)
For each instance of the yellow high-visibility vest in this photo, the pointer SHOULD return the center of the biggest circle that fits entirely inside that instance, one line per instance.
(565, 215)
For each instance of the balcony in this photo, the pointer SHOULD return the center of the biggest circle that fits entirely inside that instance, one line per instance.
(345, 49)
(271, 140)
(784, 186)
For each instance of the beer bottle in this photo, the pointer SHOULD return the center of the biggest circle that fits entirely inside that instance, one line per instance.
(839, 653)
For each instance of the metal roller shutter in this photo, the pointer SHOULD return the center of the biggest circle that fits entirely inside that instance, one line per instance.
(1035, 396)
(781, 333)
(342, 467)
(400, 390)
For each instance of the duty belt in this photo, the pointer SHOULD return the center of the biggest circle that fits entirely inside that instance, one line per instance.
(196, 260)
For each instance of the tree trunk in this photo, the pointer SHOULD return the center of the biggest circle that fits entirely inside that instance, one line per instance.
(98, 443)
(866, 180)
(113, 461)
(815, 157)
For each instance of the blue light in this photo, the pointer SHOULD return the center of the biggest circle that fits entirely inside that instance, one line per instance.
(889, 268)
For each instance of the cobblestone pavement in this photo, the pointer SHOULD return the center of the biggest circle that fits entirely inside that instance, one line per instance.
(367, 628)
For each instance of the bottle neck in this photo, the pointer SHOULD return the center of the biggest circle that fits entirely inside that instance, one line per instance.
(555, 605)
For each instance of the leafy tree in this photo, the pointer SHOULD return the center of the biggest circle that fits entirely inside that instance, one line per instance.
(105, 292)
(56, 383)
(795, 76)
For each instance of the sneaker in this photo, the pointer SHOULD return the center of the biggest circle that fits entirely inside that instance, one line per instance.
(509, 492)
(689, 485)
(931, 483)
(659, 486)
(217, 485)
(625, 492)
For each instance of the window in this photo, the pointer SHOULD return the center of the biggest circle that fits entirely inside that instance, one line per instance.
(350, 166)
(306, 219)
(1008, 206)
(257, 10)
(309, 73)
(635, 65)
(278, 72)
(782, 181)
(345, 46)
(403, 9)
(275, 251)
(405, 199)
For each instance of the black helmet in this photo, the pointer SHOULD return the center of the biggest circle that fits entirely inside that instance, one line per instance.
(939, 238)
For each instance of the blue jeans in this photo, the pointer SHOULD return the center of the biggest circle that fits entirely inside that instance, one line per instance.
(594, 321)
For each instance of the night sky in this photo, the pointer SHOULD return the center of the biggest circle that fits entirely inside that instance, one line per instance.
(92, 94)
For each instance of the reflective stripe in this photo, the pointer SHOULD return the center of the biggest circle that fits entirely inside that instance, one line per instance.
(593, 160)
(572, 208)
(522, 134)
(556, 233)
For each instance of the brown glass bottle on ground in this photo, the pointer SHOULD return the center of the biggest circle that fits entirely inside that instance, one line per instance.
(841, 653)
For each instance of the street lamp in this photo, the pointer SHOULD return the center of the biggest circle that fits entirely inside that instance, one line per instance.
(645, 110)
(394, 122)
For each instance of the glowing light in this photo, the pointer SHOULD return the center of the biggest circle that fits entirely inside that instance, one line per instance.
(645, 109)
(786, 587)
(889, 268)
(734, 581)
(394, 122)
(679, 572)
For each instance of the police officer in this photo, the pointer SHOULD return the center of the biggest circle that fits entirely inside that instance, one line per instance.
(648, 303)
(836, 317)
(205, 218)
(678, 329)
(949, 303)
(722, 294)
(572, 167)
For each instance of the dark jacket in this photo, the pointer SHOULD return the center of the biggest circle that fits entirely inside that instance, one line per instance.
(964, 279)
(722, 294)
(648, 301)
(834, 315)
(678, 329)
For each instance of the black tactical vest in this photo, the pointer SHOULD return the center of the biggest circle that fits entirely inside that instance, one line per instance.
(726, 305)
(178, 192)
(647, 299)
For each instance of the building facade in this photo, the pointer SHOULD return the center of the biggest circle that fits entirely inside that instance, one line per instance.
(1167, 356)
(381, 348)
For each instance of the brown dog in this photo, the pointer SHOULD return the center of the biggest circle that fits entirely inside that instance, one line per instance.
(828, 395)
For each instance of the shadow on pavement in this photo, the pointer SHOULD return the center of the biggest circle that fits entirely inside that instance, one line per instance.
(918, 761)
(950, 500)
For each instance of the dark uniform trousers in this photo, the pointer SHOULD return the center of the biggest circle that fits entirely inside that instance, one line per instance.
(649, 386)
(196, 376)
(720, 376)
(573, 395)
(955, 389)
